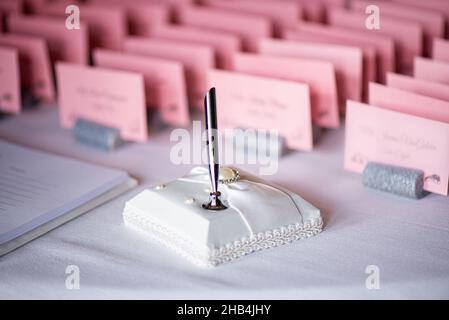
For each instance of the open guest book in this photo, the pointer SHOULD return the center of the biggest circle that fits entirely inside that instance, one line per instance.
(40, 191)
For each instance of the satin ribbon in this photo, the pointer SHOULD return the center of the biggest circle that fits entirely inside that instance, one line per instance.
(260, 206)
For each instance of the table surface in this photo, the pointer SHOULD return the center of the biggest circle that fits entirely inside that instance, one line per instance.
(408, 240)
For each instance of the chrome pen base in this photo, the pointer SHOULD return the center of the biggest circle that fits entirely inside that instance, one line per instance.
(215, 202)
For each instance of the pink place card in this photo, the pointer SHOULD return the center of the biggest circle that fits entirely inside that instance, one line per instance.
(407, 35)
(368, 51)
(196, 59)
(142, 16)
(441, 50)
(164, 82)
(35, 68)
(224, 44)
(378, 135)
(383, 45)
(313, 11)
(109, 97)
(319, 75)
(10, 99)
(431, 70)
(34, 6)
(432, 22)
(8, 7)
(435, 5)
(408, 102)
(250, 28)
(419, 86)
(283, 14)
(254, 102)
(107, 24)
(347, 62)
(63, 44)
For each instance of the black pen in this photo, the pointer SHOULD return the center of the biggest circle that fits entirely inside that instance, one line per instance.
(210, 110)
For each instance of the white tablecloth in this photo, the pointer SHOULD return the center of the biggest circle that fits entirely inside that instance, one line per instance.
(407, 240)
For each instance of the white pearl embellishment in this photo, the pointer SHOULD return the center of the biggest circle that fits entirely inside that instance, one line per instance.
(228, 175)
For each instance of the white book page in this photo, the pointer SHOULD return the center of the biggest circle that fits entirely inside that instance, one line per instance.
(36, 187)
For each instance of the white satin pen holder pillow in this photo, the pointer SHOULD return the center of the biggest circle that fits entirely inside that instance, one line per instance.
(260, 215)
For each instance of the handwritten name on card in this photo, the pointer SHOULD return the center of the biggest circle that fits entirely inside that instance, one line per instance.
(264, 103)
(109, 97)
(380, 135)
(319, 75)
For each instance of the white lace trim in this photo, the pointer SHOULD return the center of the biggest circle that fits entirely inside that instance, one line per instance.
(205, 257)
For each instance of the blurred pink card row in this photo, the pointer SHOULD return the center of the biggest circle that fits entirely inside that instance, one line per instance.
(225, 44)
(369, 54)
(408, 35)
(63, 44)
(347, 62)
(106, 24)
(282, 14)
(431, 22)
(251, 28)
(143, 16)
(196, 59)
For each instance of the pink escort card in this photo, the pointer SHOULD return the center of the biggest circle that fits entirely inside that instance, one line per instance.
(407, 35)
(380, 135)
(197, 59)
(313, 11)
(35, 68)
(383, 45)
(441, 50)
(249, 27)
(283, 14)
(434, 5)
(107, 24)
(319, 75)
(109, 97)
(225, 44)
(264, 103)
(346, 60)
(142, 16)
(164, 82)
(369, 53)
(8, 7)
(419, 86)
(10, 99)
(63, 44)
(431, 70)
(408, 102)
(432, 22)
